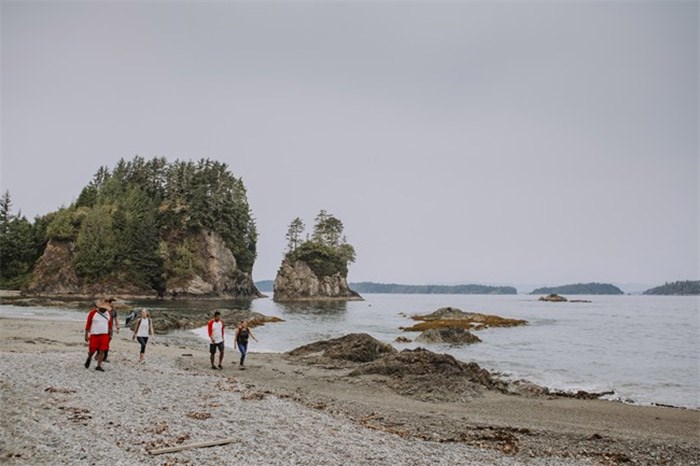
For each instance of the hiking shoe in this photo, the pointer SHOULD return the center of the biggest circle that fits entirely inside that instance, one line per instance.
(98, 368)
(220, 368)
(87, 362)
(213, 367)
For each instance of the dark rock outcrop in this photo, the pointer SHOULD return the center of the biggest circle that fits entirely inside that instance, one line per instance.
(555, 298)
(296, 281)
(417, 373)
(452, 336)
(429, 376)
(355, 347)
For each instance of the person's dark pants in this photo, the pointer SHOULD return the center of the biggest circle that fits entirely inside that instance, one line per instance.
(243, 348)
(142, 341)
(212, 350)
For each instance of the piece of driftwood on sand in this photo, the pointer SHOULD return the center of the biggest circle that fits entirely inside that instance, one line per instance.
(212, 443)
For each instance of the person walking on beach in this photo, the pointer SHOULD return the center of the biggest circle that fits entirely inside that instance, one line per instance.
(115, 321)
(242, 334)
(98, 333)
(215, 328)
(142, 330)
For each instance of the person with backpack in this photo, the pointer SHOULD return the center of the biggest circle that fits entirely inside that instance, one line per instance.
(242, 334)
(143, 328)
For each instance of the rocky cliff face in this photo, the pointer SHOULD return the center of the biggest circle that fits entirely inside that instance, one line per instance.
(214, 274)
(54, 272)
(296, 281)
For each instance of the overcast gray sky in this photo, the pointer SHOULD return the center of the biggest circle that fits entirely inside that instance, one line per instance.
(502, 142)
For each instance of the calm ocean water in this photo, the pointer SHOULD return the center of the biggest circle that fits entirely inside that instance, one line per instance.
(644, 348)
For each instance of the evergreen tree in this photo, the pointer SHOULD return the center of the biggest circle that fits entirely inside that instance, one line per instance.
(328, 230)
(5, 207)
(294, 233)
(95, 247)
(18, 246)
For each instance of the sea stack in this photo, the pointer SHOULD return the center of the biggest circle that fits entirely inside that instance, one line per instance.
(317, 268)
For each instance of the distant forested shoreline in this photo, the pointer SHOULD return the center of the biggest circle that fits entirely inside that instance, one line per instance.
(679, 288)
(580, 288)
(395, 288)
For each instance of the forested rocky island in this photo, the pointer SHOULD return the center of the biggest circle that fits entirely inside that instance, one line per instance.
(146, 227)
(679, 288)
(315, 267)
(580, 288)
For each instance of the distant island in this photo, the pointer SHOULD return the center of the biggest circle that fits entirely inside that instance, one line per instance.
(394, 288)
(580, 288)
(679, 288)
(265, 285)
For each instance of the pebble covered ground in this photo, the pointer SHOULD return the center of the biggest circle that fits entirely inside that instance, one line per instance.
(54, 411)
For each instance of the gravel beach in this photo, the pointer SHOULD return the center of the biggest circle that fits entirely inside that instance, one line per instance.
(54, 411)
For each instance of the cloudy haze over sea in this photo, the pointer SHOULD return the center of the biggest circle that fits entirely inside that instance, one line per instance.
(505, 142)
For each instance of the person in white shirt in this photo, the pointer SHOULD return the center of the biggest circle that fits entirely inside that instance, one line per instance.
(98, 333)
(142, 330)
(215, 329)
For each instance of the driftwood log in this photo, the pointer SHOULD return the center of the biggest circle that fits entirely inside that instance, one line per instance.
(160, 451)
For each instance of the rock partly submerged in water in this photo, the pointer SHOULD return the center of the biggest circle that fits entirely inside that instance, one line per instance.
(553, 298)
(355, 347)
(450, 317)
(165, 321)
(449, 335)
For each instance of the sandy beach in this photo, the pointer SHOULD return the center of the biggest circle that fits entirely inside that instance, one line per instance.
(283, 410)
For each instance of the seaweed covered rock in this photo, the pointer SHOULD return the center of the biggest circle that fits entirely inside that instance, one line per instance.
(355, 347)
(452, 336)
(450, 317)
(430, 376)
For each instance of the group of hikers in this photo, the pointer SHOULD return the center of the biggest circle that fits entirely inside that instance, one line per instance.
(102, 320)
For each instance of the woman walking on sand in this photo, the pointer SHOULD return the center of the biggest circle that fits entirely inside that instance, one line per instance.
(142, 330)
(242, 334)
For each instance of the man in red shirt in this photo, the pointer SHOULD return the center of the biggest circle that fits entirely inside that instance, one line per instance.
(98, 332)
(215, 328)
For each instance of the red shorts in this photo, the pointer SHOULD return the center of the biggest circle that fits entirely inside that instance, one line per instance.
(99, 342)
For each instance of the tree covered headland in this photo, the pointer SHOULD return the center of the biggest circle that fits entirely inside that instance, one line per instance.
(371, 287)
(580, 288)
(134, 224)
(326, 251)
(679, 288)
